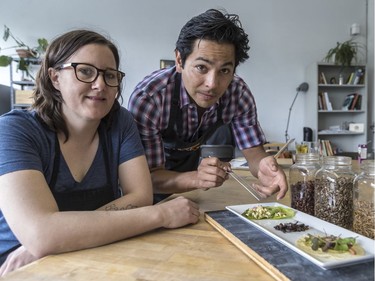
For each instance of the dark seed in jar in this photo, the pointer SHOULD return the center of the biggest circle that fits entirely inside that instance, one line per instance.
(334, 201)
(303, 196)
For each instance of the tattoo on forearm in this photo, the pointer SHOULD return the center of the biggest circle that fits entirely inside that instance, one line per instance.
(130, 206)
(113, 207)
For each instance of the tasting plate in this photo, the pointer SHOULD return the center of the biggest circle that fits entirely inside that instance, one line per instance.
(316, 227)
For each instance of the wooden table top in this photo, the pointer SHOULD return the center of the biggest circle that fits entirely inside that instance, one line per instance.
(194, 252)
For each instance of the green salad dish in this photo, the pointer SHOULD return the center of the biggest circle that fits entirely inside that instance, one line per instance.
(268, 212)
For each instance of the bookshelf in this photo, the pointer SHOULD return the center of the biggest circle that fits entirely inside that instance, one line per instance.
(332, 121)
(21, 90)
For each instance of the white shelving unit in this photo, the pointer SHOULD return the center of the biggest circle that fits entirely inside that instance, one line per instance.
(20, 90)
(330, 124)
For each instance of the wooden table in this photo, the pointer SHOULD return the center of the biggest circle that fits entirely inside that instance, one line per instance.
(195, 252)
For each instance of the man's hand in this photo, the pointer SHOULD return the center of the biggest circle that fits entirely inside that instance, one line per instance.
(212, 173)
(272, 178)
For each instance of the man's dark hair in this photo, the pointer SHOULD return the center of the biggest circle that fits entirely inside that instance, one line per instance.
(216, 26)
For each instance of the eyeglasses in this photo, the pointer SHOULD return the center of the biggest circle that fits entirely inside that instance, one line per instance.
(88, 73)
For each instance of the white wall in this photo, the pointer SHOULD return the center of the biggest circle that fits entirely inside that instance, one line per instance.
(285, 35)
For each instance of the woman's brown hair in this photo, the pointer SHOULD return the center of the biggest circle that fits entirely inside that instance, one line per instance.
(48, 100)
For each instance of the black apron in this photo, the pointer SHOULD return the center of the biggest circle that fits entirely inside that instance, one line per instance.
(184, 156)
(83, 200)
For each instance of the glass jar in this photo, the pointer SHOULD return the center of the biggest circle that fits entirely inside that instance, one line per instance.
(363, 200)
(301, 182)
(334, 191)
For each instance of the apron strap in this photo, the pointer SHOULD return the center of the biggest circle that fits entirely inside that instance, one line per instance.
(175, 115)
(175, 103)
(87, 199)
(56, 162)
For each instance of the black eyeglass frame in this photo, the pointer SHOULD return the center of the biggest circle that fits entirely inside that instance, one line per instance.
(98, 71)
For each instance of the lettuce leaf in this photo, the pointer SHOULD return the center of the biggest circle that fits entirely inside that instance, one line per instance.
(268, 212)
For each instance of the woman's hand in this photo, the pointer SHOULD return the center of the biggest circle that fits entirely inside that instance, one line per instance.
(178, 212)
(16, 259)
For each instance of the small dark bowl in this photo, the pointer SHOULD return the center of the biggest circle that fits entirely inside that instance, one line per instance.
(223, 152)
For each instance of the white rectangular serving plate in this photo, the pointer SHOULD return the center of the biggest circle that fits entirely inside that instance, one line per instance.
(239, 164)
(316, 226)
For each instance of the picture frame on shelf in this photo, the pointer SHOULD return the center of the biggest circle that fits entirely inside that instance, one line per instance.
(333, 81)
(166, 63)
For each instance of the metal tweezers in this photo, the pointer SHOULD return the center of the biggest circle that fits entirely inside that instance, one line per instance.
(249, 187)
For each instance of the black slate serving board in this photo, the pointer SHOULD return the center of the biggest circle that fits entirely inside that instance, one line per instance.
(277, 259)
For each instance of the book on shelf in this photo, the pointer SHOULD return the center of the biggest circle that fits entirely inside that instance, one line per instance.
(348, 101)
(358, 104)
(329, 148)
(358, 77)
(326, 148)
(354, 103)
(322, 101)
(327, 101)
(322, 79)
(350, 78)
(322, 149)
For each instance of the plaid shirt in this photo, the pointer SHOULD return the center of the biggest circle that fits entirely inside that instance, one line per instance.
(150, 104)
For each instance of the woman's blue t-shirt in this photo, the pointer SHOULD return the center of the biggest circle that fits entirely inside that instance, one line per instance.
(27, 144)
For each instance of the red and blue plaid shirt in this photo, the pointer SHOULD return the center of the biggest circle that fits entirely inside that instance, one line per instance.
(150, 104)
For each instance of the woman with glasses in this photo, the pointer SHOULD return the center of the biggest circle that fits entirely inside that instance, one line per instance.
(73, 174)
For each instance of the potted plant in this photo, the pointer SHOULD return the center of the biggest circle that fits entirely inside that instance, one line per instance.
(23, 51)
(343, 53)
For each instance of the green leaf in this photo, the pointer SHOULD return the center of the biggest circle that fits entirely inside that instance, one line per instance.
(343, 52)
(5, 60)
(6, 33)
(268, 212)
(343, 244)
(23, 65)
(281, 212)
(43, 43)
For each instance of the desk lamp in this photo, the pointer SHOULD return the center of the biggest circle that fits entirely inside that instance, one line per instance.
(301, 88)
